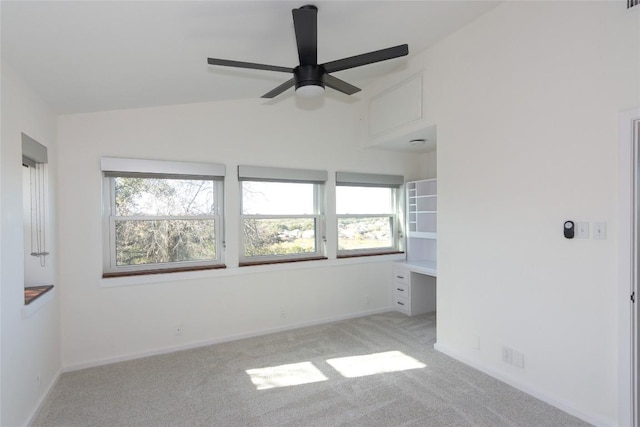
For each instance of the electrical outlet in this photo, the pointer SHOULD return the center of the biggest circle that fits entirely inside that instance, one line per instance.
(178, 329)
(283, 313)
(507, 355)
(512, 357)
(518, 359)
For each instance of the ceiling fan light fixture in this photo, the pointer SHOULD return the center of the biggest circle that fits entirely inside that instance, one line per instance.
(310, 91)
(418, 142)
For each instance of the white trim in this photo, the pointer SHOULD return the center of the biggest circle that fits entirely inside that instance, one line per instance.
(228, 338)
(109, 220)
(625, 265)
(522, 386)
(43, 398)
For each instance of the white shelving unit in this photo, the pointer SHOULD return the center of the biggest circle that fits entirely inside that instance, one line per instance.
(422, 210)
(415, 279)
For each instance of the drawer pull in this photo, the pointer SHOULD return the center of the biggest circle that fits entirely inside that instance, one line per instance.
(400, 277)
(401, 303)
(400, 289)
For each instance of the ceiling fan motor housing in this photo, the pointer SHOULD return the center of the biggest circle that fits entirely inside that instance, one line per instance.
(306, 75)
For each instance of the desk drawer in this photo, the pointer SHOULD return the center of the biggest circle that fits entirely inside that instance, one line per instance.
(401, 289)
(401, 275)
(402, 304)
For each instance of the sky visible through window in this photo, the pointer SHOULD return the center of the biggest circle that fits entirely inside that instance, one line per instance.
(278, 198)
(363, 200)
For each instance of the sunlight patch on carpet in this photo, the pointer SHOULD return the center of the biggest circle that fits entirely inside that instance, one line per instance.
(285, 375)
(376, 363)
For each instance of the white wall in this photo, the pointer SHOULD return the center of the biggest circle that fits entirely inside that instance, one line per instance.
(105, 323)
(30, 345)
(527, 115)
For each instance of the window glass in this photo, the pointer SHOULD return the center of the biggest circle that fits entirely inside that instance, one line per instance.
(264, 237)
(280, 221)
(164, 241)
(356, 233)
(367, 220)
(160, 196)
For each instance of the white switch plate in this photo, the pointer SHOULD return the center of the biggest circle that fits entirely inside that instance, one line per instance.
(582, 230)
(600, 230)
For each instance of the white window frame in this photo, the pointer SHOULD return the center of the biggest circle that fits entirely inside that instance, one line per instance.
(392, 182)
(317, 178)
(113, 168)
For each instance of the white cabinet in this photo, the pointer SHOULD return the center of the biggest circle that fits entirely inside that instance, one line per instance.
(397, 106)
(414, 281)
(394, 112)
(413, 293)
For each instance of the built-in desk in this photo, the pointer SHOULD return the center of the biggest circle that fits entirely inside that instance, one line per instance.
(422, 267)
(414, 287)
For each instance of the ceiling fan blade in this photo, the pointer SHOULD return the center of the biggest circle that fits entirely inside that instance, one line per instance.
(305, 21)
(366, 58)
(340, 85)
(277, 91)
(239, 64)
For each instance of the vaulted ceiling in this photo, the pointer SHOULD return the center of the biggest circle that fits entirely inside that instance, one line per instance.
(83, 56)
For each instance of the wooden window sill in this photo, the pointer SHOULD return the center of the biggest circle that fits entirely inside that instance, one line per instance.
(279, 261)
(31, 293)
(369, 254)
(161, 271)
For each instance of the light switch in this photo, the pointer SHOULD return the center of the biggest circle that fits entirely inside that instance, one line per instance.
(600, 230)
(582, 230)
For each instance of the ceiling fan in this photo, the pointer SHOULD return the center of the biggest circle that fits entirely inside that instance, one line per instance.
(309, 77)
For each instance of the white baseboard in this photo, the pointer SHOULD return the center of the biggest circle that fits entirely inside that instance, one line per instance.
(523, 386)
(204, 343)
(43, 398)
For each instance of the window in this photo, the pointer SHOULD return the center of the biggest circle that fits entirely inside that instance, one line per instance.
(367, 213)
(161, 216)
(38, 274)
(282, 214)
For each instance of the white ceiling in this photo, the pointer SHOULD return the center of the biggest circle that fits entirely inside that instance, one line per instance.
(84, 56)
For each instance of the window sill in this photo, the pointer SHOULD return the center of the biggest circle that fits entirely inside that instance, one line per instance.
(279, 261)
(32, 293)
(363, 254)
(35, 303)
(162, 271)
(242, 271)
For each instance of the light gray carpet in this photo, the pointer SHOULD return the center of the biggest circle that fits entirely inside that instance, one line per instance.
(209, 386)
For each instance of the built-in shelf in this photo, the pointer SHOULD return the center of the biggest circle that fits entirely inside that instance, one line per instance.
(422, 202)
(414, 280)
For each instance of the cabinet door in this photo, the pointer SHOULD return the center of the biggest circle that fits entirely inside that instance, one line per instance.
(395, 107)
